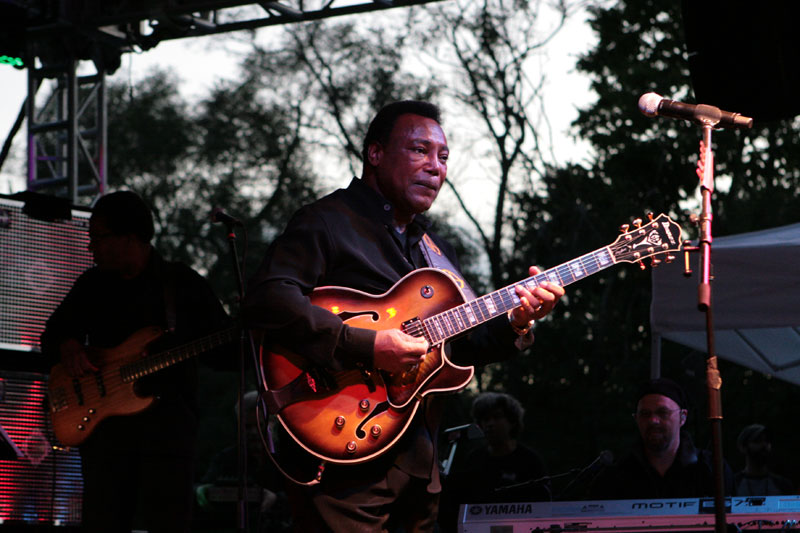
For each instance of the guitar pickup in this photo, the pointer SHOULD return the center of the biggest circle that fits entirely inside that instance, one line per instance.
(101, 385)
(415, 328)
(76, 386)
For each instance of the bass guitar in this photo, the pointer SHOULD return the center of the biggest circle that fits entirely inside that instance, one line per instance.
(78, 405)
(353, 416)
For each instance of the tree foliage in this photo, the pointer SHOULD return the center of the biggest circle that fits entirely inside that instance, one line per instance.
(489, 47)
(233, 150)
(596, 348)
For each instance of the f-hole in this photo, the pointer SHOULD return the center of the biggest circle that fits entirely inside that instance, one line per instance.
(381, 407)
(347, 315)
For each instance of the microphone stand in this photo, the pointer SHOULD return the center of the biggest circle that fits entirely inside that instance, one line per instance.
(704, 304)
(543, 479)
(241, 518)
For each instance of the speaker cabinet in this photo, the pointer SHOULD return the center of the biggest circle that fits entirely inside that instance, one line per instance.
(40, 483)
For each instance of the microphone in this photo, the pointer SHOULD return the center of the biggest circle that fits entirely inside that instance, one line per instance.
(653, 105)
(218, 215)
(605, 459)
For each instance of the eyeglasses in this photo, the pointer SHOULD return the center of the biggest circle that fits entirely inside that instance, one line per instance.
(662, 413)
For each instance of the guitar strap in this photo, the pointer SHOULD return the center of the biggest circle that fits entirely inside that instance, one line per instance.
(436, 259)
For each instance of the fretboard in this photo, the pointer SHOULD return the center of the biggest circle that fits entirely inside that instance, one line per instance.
(153, 363)
(457, 320)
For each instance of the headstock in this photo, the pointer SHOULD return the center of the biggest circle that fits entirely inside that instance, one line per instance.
(661, 235)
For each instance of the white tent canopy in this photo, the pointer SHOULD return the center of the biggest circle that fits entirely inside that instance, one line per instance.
(755, 300)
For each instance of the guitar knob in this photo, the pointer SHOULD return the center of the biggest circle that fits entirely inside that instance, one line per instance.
(426, 292)
(375, 431)
(351, 447)
(92, 411)
(85, 418)
(81, 427)
(339, 422)
(364, 405)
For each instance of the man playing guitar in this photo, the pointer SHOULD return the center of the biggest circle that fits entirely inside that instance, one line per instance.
(114, 311)
(366, 238)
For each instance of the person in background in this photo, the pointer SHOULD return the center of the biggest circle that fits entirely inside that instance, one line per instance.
(501, 469)
(756, 479)
(218, 490)
(664, 462)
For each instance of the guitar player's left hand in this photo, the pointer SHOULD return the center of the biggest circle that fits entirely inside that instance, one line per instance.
(536, 303)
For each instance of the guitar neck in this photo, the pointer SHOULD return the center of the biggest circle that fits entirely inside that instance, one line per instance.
(153, 363)
(459, 319)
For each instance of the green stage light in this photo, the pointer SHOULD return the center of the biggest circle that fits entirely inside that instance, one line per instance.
(14, 61)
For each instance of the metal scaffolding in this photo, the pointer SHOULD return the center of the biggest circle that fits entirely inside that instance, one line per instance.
(66, 153)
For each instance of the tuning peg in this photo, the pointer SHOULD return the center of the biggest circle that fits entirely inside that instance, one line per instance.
(654, 262)
(650, 216)
(669, 259)
(624, 228)
(637, 222)
(641, 265)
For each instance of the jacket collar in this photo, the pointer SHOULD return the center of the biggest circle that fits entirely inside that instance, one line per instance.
(371, 203)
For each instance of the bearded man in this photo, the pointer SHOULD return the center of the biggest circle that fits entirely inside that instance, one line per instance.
(664, 463)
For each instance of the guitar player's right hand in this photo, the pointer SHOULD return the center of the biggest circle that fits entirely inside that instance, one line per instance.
(397, 352)
(75, 359)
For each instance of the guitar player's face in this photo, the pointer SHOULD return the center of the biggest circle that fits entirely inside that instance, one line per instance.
(412, 165)
(110, 251)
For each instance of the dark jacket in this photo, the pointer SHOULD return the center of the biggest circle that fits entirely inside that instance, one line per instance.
(691, 475)
(347, 239)
(103, 310)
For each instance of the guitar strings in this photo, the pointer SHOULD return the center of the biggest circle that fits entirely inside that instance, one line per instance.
(103, 383)
(456, 320)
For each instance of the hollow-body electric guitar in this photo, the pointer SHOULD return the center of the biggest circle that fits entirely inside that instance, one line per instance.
(78, 405)
(353, 416)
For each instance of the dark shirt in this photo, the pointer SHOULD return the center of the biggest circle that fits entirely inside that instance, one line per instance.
(488, 478)
(347, 239)
(689, 476)
(103, 310)
(223, 469)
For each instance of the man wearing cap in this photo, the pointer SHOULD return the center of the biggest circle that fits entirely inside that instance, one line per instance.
(756, 478)
(664, 463)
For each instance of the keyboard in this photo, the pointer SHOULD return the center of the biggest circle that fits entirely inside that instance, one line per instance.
(755, 513)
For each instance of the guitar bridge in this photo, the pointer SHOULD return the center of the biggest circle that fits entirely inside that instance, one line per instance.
(58, 399)
(366, 375)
